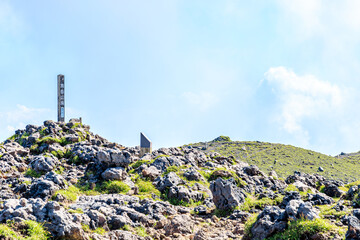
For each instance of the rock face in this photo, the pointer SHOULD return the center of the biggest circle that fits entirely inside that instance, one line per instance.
(117, 173)
(81, 186)
(44, 163)
(269, 222)
(226, 195)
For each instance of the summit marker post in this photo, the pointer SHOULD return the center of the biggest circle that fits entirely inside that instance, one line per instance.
(61, 97)
(145, 144)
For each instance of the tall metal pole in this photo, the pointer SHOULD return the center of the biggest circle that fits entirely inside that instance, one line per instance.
(61, 97)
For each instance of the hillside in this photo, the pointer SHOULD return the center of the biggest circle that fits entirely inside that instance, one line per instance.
(61, 181)
(285, 159)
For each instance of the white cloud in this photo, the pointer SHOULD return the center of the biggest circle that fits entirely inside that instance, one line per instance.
(20, 117)
(302, 97)
(201, 101)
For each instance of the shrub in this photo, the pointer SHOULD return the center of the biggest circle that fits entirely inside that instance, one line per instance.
(115, 186)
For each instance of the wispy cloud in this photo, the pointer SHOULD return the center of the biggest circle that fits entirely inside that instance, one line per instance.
(302, 97)
(20, 117)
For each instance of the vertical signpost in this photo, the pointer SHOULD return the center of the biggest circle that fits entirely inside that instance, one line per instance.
(61, 97)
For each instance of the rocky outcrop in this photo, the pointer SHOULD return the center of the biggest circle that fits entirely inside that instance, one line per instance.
(61, 175)
(226, 195)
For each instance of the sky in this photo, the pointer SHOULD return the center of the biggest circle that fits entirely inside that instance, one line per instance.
(186, 71)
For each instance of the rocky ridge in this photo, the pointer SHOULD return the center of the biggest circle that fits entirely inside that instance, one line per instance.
(77, 185)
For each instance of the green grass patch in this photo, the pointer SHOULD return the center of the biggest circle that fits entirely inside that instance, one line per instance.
(32, 173)
(328, 210)
(78, 210)
(70, 194)
(115, 186)
(252, 202)
(138, 163)
(285, 159)
(356, 183)
(249, 223)
(146, 188)
(303, 229)
(141, 231)
(36, 231)
(291, 188)
(32, 231)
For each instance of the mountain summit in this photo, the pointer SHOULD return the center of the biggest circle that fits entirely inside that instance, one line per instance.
(61, 181)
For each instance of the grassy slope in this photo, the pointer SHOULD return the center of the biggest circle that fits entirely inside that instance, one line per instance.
(288, 159)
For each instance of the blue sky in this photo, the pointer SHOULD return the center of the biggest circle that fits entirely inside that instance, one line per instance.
(186, 71)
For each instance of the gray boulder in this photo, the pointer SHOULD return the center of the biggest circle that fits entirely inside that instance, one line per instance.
(292, 195)
(182, 193)
(226, 195)
(181, 224)
(333, 191)
(44, 163)
(192, 175)
(353, 232)
(270, 221)
(117, 173)
(320, 199)
(151, 172)
(297, 209)
(168, 181)
(307, 211)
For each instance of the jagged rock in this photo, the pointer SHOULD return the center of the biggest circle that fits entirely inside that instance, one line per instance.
(115, 157)
(270, 221)
(351, 192)
(179, 224)
(182, 193)
(168, 181)
(44, 163)
(301, 186)
(292, 195)
(320, 199)
(56, 147)
(226, 195)
(240, 215)
(252, 170)
(117, 173)
(151, 172)
(42, 189)
(118, 221)
(33, 137)
(353, 232)
(306, 211)
(308, 179)
(122, 159)
(15, 149)
(333, 191)
(192, 175)
(200, 210)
